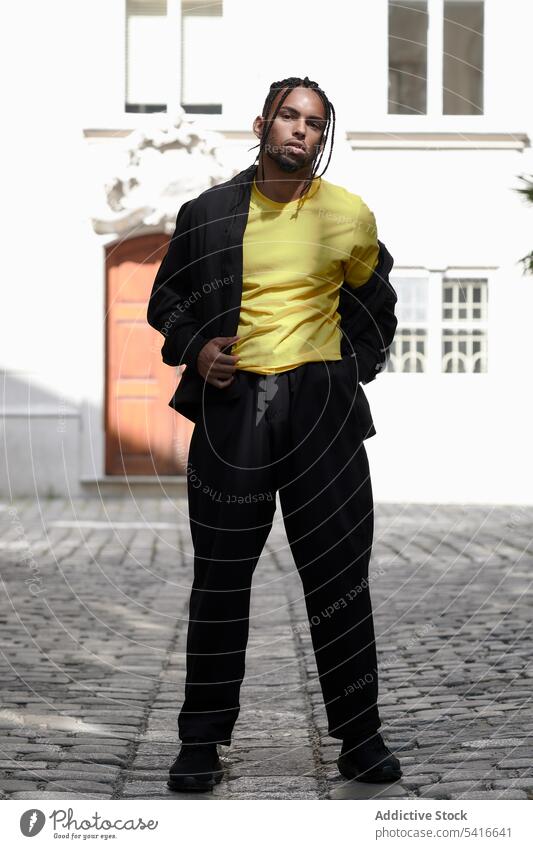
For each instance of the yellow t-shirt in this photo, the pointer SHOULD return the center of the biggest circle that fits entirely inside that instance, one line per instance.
(293, 268)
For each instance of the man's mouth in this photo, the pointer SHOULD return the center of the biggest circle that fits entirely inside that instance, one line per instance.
(294, 147)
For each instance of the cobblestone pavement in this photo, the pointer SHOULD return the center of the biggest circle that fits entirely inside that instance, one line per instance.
(93, 628)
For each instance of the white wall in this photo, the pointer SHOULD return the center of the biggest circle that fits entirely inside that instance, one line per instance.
(452, 437)
(48, 256)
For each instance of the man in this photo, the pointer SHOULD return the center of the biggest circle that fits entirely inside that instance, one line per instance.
(274, 293)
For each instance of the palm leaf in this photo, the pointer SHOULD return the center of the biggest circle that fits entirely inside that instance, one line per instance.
(527, 192)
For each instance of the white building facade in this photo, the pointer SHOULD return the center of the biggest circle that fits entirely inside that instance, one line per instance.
(434, 123)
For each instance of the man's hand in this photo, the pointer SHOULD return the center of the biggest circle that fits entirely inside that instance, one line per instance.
(216, 367)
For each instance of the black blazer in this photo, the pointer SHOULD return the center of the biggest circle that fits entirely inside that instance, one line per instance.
(197, 294)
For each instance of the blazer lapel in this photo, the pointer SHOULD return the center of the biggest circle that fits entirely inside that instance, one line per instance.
(233, 235)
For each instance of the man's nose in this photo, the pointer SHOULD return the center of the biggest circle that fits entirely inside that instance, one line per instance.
(300, 128)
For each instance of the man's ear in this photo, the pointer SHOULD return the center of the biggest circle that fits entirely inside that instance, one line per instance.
(258, 126)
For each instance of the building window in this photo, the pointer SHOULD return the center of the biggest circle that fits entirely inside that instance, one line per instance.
(442, 324)
(436, 57)
(201, 52)
(146, 65)
(409, 347)
(464, 325)
(462, 66)
(408, 49)
(173, 50)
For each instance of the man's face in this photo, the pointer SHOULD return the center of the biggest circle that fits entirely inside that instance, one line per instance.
(296, 132)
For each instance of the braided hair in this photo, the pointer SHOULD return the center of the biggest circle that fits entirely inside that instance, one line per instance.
(289, 84)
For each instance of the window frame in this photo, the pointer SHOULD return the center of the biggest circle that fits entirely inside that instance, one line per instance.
(406, 273)
(436, 324)
(453, 324)
(173, 46)
(435, 60)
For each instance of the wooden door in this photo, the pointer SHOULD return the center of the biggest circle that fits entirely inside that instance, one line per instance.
(144, 436)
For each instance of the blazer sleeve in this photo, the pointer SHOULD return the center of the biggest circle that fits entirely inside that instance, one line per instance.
(171, 304)
(368, 320)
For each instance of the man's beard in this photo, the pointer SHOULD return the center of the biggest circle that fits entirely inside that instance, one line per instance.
(287, 163)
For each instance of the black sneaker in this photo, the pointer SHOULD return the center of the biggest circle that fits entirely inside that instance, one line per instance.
(196, 768)
(368, 760)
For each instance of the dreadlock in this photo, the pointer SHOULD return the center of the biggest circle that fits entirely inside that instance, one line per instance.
(289, 84)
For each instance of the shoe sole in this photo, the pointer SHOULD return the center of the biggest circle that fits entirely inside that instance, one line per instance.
(191, 784)
(369, 777)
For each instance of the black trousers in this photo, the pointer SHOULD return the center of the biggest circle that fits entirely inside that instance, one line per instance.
(297, 433)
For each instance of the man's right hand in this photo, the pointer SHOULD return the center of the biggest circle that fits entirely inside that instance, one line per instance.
(214, 366)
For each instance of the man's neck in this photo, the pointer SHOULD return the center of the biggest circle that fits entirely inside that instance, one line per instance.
(279, 185)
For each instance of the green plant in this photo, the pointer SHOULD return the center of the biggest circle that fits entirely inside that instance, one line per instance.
(527, 191)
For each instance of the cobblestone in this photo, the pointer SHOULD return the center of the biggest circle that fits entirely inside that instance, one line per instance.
(93, 656)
